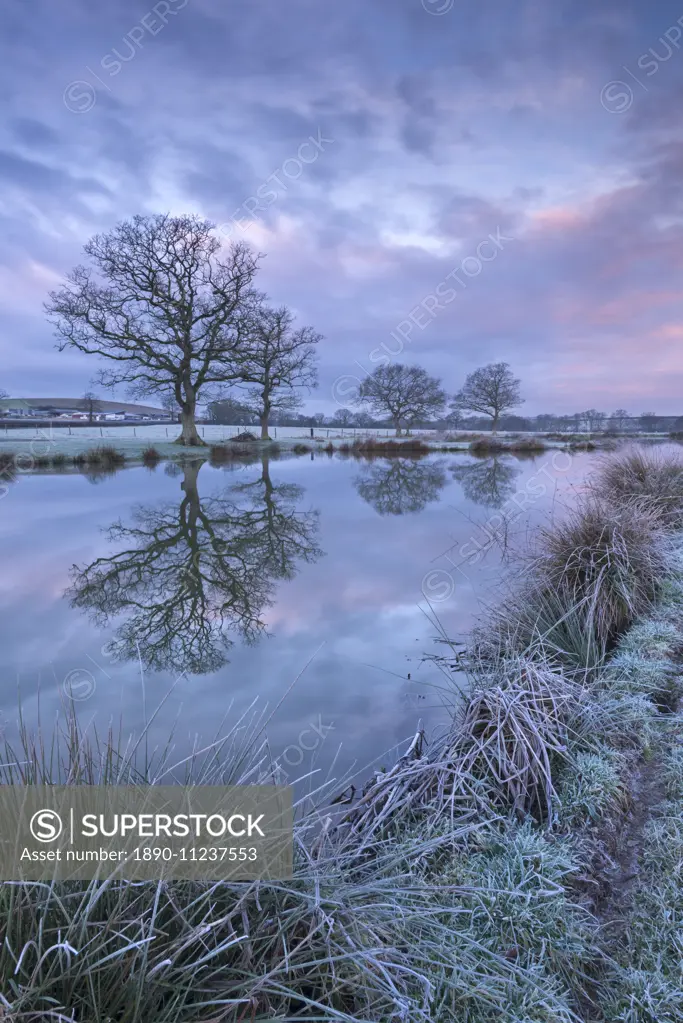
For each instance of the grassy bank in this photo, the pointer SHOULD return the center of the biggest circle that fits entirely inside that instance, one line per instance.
(49, 452)
(482, 878)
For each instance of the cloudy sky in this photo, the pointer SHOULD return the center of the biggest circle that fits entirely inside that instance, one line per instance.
(434, 181)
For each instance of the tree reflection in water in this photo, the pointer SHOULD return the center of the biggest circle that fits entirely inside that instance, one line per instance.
(402, 485)
(490, 481)
(186, 575)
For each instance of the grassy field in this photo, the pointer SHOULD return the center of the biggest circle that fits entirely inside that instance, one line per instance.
(524, 867)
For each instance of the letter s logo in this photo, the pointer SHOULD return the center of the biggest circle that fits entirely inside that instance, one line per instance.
(46, 825)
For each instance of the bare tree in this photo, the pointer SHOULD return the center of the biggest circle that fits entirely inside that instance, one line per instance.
(343, 416)
(407, 394)
(278, 359)
(4, 393)
(230, 412)
(91, 404)
(169, 403)
(362, 419)
(165, 310)
(619, 419)
(454, 418)
(594, 419)
(491, 390)
(648, 421)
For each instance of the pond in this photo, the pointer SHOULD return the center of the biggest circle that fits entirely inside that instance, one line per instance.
(316, 586)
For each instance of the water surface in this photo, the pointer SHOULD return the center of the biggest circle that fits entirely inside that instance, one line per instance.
(318, 586)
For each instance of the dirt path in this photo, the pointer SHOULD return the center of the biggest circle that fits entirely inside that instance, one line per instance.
(647, 791)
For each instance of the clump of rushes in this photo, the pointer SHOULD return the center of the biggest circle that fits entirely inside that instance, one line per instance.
(606, 559)
(105, 457)
(151, 457)
(59, 461)
(301, 449)
(513, 732)
(592, 574)
(371, 446)
(487, 446)
(645, 474)
(492, 445)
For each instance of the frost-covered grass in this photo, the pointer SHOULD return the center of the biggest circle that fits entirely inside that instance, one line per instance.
(648, 985)
(645, 474)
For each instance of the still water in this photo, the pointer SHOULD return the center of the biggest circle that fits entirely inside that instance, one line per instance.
(316, 587)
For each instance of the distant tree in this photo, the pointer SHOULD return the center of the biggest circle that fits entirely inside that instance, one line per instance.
(648, 421)
(362, 419)
(546, 421)
(519, 424)
(91, 405)
(169, 403)
(343, 416)
(593, 419)
(619, 419)
(454, 418)
(491, 390)
(319, 418)
(231, 412)
(164, 309)
(4, 393)
(279, 360)
(407, 394)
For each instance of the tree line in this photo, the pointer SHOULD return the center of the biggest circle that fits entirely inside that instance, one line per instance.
(174, 315)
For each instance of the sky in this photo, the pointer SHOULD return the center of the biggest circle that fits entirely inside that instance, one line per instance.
(429, 181)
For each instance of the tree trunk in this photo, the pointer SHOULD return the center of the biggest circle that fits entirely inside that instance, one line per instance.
(189, 437)
(189, 512)
(494, 425)
(263, 420)
(397, 424)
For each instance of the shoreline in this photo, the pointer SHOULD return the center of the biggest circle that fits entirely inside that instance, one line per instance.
(64, 454)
